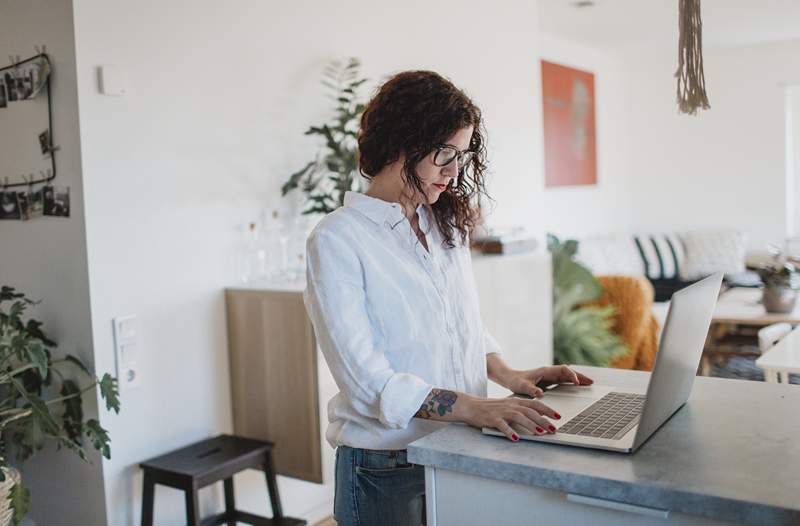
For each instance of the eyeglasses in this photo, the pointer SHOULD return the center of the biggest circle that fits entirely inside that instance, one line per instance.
(445, 154)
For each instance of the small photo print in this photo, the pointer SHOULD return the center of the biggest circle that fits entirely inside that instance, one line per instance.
(39, 72)
(44, 141)
(11, 87)
(35, 203)
(3, 96)
(9, 207)
(25, 87)
(22, 202)
(56, 200)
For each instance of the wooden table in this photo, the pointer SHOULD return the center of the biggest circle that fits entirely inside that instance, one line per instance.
(742, 306)
(738, 316)
(782, 359)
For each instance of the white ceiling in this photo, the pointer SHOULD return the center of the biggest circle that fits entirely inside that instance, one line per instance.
(633, 23)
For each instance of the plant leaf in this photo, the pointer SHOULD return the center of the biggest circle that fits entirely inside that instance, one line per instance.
(98, 436)
(20, 499)
(294, 179)
(73, 410)
(110, 391)
(38, 356)
(79, 363)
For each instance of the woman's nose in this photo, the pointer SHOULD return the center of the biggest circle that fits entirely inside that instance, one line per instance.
(451, 168)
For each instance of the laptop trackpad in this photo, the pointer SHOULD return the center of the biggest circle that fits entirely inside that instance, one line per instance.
(570, 400)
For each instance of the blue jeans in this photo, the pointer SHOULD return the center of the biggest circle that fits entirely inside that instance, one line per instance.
(378, 487)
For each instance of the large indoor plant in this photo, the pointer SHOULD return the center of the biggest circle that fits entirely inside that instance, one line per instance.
(581, 333)
(334, 171)
(39, 401)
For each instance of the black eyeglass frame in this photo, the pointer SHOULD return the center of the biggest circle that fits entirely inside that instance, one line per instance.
(464, 157)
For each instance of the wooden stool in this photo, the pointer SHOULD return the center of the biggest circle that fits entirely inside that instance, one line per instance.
(203, 463)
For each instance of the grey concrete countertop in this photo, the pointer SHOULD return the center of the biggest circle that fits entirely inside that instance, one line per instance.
(732, 452)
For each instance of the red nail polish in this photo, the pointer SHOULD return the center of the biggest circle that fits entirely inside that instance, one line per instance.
(557, 415)
(552, 428)
(539, 429)
(514, 438)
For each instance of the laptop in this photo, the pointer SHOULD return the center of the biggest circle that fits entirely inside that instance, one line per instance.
(622, 419)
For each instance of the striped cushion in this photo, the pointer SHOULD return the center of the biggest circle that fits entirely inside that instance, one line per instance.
(663, 255)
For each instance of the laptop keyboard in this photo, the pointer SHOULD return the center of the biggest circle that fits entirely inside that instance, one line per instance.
(610, 417)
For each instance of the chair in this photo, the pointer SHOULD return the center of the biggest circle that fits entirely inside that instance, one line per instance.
(207, 462)
(767, 338)
(771, 334)
(634, 321)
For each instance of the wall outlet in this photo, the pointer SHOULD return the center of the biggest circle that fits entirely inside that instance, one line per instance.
(126, 351)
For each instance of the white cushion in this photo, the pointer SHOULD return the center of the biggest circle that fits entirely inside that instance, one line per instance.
(610, 254)
(709, 251)
(663, 255)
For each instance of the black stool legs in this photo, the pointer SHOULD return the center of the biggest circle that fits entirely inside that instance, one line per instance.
(148, 495)
(207, 462)
(272, 487)
(192, 507)
(230, 502)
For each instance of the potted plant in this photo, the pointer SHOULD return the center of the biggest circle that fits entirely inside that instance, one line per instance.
(581, 333)
(780, 285)
(335, 170)
(38, 401)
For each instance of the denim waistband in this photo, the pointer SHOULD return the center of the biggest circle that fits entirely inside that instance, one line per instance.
(401, 455)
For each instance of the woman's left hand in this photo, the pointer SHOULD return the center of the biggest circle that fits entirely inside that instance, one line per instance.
(524, 382)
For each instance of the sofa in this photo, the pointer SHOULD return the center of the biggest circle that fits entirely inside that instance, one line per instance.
(669, 261)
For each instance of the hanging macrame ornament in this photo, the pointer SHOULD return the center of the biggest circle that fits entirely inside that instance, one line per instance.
(691, 80)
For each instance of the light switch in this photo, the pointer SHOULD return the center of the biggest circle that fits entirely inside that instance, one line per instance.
(128, 327)
(111, 80)
(126, 351)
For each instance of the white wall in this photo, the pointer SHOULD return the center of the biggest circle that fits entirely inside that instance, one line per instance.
(793, 159)
(659, 170)
(724, 167)
(46, 258)
(578, 211)
(219, 95)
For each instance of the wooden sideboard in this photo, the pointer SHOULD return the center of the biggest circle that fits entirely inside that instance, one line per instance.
(280, 383)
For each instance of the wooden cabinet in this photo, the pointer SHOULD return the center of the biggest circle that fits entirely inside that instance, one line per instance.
(279, 380)
(280, 383)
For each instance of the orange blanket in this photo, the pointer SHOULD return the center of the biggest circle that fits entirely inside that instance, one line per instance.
(634, 321)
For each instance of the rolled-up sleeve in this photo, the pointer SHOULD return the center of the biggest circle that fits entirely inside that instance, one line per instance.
(335, 300)
(490, 343)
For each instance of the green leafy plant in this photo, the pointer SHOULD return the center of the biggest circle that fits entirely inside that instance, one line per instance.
(37, 401)
(778, 274)
(335, 170)
(581, 334)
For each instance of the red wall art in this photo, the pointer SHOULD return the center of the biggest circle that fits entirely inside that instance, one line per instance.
(570, 149)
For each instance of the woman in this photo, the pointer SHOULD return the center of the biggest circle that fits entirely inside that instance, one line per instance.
(392, 299)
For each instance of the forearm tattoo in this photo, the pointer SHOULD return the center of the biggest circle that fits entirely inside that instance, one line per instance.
(439, 402)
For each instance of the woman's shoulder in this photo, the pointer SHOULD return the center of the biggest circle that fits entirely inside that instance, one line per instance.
(340, 225)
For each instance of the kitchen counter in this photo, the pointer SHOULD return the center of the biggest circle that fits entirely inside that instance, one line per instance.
(731, 454)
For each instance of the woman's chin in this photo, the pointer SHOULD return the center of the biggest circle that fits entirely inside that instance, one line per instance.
(433, 196)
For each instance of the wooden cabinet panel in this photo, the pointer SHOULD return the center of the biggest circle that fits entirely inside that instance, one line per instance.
(274, 377)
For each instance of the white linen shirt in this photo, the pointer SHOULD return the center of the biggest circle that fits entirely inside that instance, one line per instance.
(392, 320)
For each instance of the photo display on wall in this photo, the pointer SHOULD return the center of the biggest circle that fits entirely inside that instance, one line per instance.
(27, 157)
(568, 111)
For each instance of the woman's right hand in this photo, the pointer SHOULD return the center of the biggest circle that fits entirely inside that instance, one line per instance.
(527, 415)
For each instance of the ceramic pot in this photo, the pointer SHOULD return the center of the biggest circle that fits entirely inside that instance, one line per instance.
(779, 299)
(6, 511)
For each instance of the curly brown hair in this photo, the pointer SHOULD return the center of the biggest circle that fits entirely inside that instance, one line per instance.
(412, 113)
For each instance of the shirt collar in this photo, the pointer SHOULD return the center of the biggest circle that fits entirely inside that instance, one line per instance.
(379, 210)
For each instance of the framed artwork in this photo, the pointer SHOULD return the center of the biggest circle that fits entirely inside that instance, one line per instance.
(570, 148)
